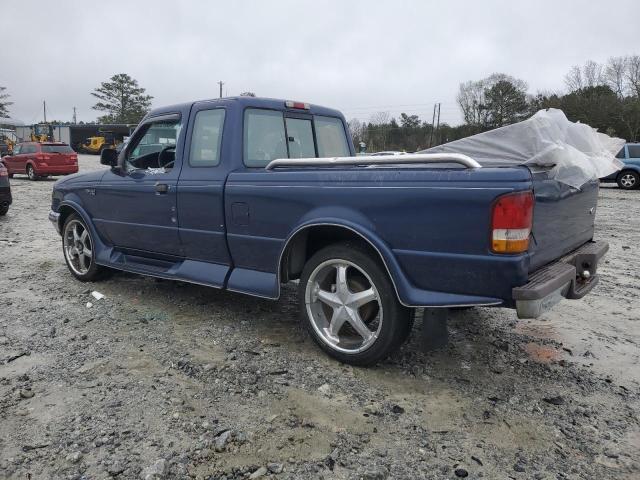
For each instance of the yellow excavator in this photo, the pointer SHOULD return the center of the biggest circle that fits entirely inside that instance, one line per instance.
(42, 132)
(8, 140)
(98, 143)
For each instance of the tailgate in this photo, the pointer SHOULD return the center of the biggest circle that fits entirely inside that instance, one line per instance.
(563, 218)
(57, 158)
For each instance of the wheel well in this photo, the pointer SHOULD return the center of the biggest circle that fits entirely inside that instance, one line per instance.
(628, 170)
(309, 240)
(65, 211)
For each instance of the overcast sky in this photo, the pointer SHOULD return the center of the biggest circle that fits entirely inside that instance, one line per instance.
(357, 56)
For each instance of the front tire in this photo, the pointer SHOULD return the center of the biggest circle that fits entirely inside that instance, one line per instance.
(628, 180)
(349, 305)
(79, 251)
(4, 210)
(31, 173)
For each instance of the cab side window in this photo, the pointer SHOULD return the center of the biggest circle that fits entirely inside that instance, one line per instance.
(206, 138)
(17, 150)
(154, 147)
(634, 151)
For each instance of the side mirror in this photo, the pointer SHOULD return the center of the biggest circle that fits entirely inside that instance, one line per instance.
(109, 157)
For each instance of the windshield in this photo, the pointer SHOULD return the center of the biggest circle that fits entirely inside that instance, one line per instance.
(57, 149)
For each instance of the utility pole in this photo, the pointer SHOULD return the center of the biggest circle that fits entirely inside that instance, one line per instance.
(433, 123)
(44, 108)
(221, 83)
(438, 122)
(74, 116)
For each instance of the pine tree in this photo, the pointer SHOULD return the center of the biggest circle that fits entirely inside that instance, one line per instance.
(122, 99)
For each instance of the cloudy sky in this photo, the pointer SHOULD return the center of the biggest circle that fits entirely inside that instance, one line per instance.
(358, 56)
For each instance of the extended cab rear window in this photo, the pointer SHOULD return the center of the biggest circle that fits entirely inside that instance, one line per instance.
(56, 149)
(268, 135)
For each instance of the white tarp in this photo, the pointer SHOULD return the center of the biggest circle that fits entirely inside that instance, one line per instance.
(577, 152)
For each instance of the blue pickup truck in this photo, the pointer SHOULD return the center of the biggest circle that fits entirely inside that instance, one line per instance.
(628, 178)
(246, 194)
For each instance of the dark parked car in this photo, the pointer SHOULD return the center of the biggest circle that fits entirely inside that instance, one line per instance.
(231, 193)
(628, 177)
(37, 159)
(5, 190)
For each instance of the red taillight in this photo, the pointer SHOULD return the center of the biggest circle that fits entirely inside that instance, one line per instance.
(511, 222)
(298, 105)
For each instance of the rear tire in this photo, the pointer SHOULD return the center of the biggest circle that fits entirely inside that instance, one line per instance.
(350, 307)
(79, 251)
(4, 210)
(31, 173)
(628, 180)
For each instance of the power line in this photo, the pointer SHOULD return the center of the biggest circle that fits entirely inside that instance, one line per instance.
(394, 106)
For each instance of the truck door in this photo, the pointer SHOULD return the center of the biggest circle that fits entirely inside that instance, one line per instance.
(137, 206)
(201, 194)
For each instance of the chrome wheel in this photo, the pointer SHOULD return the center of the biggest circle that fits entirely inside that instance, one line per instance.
(31, 173)
(77, 247)
(628, 180)
(344, 306)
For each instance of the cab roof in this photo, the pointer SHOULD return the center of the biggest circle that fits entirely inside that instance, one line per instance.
(244, 102)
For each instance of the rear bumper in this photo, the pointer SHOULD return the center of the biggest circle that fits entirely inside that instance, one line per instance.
(571, 277)
(56, 169)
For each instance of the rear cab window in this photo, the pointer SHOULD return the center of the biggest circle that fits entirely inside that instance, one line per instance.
(270, 135)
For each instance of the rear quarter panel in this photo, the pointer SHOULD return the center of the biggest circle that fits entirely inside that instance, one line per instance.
(431, 225)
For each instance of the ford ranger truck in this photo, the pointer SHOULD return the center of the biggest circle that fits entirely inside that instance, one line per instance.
(246, 194)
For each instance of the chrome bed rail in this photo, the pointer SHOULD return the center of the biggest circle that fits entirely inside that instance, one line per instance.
(410, 158)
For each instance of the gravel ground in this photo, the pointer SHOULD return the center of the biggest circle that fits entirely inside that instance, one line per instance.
(163, 379)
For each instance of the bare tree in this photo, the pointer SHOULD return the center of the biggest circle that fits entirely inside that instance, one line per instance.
(614, 75)
(380, 118)
(592, 73)
(379, 134)
(633, 74)
(472, 97)
(573, 80)
(357, 129)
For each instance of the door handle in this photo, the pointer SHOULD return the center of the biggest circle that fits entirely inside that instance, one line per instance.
(161, 188)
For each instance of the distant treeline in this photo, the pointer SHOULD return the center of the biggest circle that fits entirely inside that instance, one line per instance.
(607, 97)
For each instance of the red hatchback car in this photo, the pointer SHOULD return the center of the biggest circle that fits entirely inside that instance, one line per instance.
(41, 159)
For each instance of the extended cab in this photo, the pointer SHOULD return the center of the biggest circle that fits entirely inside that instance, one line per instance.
(246, 194)
(41, 159)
